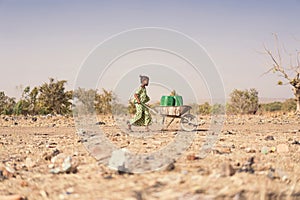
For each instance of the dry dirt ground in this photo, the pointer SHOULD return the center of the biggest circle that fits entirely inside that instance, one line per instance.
(255, 157)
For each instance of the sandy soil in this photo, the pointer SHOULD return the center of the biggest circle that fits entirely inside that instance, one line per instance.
(31, 147)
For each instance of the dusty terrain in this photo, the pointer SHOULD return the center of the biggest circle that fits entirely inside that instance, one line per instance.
(255, 157)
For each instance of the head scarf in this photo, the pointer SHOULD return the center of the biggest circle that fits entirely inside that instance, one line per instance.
(144, 78)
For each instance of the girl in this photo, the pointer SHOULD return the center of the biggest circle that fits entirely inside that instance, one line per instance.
(142, 116)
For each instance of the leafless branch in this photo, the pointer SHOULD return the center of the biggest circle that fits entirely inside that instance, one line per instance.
(277, 48)
(298, 63)
(277, 66)
(271, 69)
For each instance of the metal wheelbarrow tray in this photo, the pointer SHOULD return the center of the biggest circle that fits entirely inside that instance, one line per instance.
(188, 122)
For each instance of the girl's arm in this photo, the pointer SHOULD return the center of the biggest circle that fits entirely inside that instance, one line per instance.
(137, 98)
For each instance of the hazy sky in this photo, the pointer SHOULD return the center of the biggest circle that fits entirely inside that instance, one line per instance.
(51, 38)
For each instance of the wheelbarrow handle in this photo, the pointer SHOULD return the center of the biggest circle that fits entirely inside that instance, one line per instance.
(146, 106)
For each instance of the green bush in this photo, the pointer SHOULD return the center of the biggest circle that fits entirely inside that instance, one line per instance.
(272, 107)
(288, 105)
(7, 104)
(89, 101)
(217, 109)
(54, 99)
(204, 109)
(243, 102)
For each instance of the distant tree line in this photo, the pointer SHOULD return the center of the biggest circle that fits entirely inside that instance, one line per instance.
(288, 105)
(53, 98)
(90, 101)
(49, 98)
(246, 102)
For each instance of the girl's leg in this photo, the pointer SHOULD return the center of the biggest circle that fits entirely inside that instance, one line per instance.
(148, 119)
(136, 120)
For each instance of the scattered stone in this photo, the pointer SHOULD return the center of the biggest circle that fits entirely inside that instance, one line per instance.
(29, 163)
(222, 150)
(269, 137)
(191, 157)
(230, 132)
(296, 142)
(70, 190)
(272, 149)
(201, 122)
(44, 194)
(82, 140)
(247, 167)
(34, 119)
(138, 195)
(51, 145)
(226, 150)
(7, 172)
(62, 164)
(117, 160)
(271, 173)
(2, 177)
(184, 172)
(227, 170)
(24, 183)
(282, 148)
(284, 178)
(264, 150)
(170, 167)
(100, 123)
(250, 150)
(51, 155)
(12, 197)
(240, 196)
(277, 174)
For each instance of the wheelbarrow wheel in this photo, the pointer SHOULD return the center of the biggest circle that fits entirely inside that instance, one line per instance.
(188, 122)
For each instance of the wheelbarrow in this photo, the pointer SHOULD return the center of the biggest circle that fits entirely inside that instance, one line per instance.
(188, 122)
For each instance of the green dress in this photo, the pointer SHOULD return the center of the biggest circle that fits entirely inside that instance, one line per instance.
(142, 116)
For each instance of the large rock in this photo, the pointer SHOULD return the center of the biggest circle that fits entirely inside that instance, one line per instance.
(227, 170)
(282, 148)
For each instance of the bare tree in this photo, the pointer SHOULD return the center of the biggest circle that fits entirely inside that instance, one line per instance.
(291, 72)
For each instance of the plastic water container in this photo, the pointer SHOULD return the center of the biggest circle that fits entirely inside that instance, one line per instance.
(178, 100)
(167, 101)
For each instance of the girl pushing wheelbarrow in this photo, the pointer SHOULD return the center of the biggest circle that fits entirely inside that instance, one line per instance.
(142, 116)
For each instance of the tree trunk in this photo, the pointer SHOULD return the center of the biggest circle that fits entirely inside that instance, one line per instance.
(297, 95)
(298, 104)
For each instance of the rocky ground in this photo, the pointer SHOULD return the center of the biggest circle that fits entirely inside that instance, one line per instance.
(255, 157)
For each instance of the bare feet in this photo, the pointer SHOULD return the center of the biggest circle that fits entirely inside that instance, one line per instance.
(129, 126)
(147, 129)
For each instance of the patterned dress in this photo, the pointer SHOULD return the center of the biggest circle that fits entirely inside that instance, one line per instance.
(142, 116)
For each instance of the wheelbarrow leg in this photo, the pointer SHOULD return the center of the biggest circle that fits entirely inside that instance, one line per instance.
(163, 123)
(170, 122)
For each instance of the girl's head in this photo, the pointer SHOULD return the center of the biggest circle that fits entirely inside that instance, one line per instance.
(144, 80)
